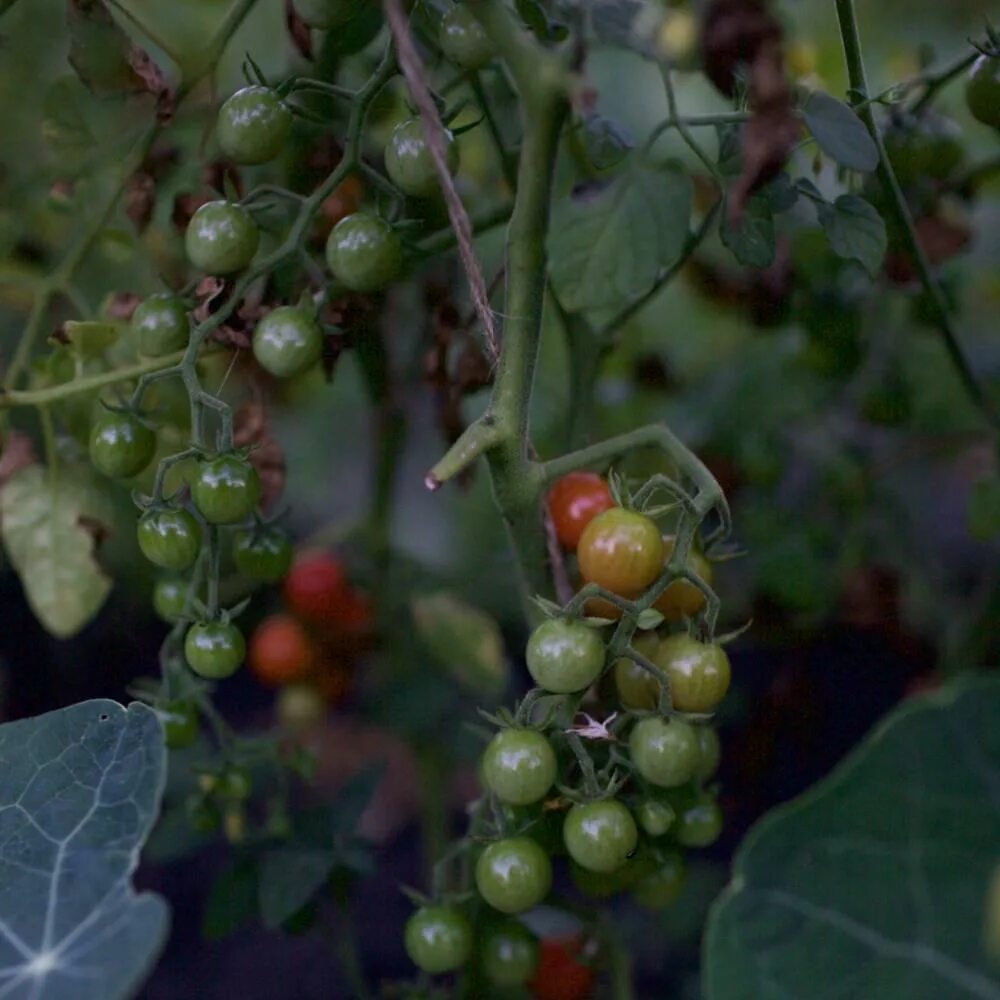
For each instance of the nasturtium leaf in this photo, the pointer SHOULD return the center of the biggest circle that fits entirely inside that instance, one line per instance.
(730, 152)
(751, 237)
(840, 132)
(855, 230)
(607, 143)
(48, 523)
(606, 247)
(875, 882)
(462, 639)
(79, 792)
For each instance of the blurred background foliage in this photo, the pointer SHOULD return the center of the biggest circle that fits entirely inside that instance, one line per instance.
(827, 409)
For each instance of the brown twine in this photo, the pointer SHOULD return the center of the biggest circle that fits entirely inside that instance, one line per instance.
(413, 71)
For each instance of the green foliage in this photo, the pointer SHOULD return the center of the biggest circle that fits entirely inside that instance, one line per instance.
(608, 246)
(79, 793)
(839, 132)
(462, 639)
(49, 522)
(879, 874)
(855, 231)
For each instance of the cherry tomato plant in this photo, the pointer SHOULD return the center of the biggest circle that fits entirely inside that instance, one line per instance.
(341, 206)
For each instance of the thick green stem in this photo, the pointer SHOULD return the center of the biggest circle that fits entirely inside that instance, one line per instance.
(902, 216)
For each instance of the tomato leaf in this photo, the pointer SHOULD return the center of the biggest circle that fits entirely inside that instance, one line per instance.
(882, 869)
(840, 132)
(64, 118)
(98, 49)
(983, 511)
(232, 900)
(751, 237)
(606, 247)
(47, 526)
(462, 639)
(79, 792)
(289, 878)
(90, 338)
(855, 230)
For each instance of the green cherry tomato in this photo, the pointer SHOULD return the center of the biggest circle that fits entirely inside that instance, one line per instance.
(225, 489)
(982, 91)
(121, 445)
(664, 752)
(519, 765)
(699, 673)
(699, 824)
(180, 725)
(564, 656)
(169, 537)
(408, 160)
(509, 955)
(513, 874)
(709, 752)
(655, 817)
(638, 688)
(660, 886)
(264, 554)
(253, 125)
(169, 597)
(160, 325)
(463, 40)
(600, 836)
(221, 238)
(287, 341)
(438, 939)
(622, 551)
(326, 14)
(214, 649)
(363, 252)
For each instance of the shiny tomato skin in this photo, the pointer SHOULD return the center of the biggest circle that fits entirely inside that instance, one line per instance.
(574, 501)
(682, 599)
(622, 551)
(699, 673)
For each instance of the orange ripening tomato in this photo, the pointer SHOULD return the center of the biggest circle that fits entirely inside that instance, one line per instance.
(560, 974)
(314, 587)
(682, 599)
(574, 501)
(344, 200)
(280, 651)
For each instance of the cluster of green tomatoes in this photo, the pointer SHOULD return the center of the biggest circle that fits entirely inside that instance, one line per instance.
(648, 798)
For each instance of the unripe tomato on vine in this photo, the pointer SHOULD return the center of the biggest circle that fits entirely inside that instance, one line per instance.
(519, 765)
(463, 40)
(253, 125)
(225, 489)
(982, 90)
(509, 955)
(438, 939)
(565, 656)
(287, 341)
(622, 551)
(262, 553)
(121, 445)
(169, 537)
(408, 159)
(698, 672)
(160, 324)
(681, 598)
(363, 252)
(600, 836)
(221, 238)
(214, 650)
(514, 874)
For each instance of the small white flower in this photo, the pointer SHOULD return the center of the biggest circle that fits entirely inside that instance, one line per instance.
(591, 729)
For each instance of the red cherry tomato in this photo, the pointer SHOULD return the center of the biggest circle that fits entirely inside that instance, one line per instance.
(315, 587)
(575, 500)
(560, 974)
(280, 651)
(353, 612)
